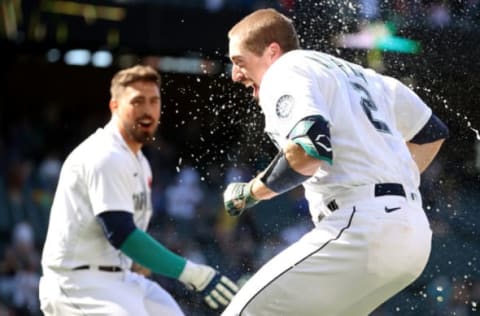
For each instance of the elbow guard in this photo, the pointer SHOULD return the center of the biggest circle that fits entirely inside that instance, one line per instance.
(434, 130)
(312, 133)
(117, 226)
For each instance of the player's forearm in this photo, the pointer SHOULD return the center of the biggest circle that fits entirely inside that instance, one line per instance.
(123, 234)
(148, 252)
(424, 154)
(260, 191)
(301, 161)
(298, 160)
(145, 250)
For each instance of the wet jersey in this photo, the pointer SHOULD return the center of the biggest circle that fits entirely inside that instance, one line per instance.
(370, 117)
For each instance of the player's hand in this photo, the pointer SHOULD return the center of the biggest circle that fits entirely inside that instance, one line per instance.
(217, 290)
(137, 268)
(238, 197)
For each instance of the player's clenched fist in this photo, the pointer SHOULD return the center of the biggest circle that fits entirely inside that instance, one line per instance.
(217, 290)
(238, 197)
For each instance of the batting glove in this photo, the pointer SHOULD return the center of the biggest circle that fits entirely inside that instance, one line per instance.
(238, 197)
(217, 290)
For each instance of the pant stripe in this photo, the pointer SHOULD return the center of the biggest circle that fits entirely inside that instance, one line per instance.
(303, 259)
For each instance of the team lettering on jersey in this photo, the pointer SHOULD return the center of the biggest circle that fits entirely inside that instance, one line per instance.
(358, 81)
(139, 201)
(330, 62)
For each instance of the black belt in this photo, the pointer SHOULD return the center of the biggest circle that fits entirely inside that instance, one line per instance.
(101, 268)
(381, 189)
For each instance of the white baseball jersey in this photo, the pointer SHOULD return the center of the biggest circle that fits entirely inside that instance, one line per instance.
(101, 174)
(371, 246)
(370, 118)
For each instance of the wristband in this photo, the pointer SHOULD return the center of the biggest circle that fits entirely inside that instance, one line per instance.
(280, 177)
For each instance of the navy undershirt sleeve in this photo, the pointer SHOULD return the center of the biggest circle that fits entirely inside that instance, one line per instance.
(434, 130)
(117, 226)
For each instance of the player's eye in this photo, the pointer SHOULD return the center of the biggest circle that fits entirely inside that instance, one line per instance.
(137, 102)
(238, 63)
(155, 100)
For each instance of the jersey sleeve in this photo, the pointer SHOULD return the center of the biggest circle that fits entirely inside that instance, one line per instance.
(108, 185)
(290, 92)
(411, 113)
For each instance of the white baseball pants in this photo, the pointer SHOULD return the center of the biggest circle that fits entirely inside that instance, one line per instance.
(352, 262)
(93, 292)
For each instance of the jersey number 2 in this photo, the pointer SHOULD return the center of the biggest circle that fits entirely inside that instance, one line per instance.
(369, 107)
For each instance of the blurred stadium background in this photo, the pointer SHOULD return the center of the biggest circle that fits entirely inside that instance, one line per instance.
(57, 58)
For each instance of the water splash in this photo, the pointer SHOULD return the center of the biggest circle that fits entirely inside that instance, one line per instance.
(477, 133)
(451, 110)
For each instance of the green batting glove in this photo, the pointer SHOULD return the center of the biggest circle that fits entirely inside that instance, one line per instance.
(238, 197)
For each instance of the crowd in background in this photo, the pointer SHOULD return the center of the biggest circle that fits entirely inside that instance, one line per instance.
(430, 13)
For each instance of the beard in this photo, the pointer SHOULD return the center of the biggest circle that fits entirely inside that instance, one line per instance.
(141, 135)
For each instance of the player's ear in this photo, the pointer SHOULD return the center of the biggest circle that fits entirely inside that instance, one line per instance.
(113, 104)
(274, 51)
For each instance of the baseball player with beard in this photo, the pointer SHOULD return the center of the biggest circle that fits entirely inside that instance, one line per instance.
(101, 211)
(357, 141)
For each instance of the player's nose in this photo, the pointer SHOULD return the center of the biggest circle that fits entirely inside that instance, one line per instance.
(237, 75)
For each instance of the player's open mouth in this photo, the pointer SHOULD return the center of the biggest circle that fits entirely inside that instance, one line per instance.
(255, 91)
(254, 88)
(145, 123)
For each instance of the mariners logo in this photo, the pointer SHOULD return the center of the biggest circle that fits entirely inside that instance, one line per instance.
(285, 105)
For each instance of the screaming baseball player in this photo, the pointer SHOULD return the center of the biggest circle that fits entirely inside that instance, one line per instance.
(357, 141)
(99, 215)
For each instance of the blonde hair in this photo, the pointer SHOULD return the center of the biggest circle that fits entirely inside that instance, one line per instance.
(263, 27)
(127, 76)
